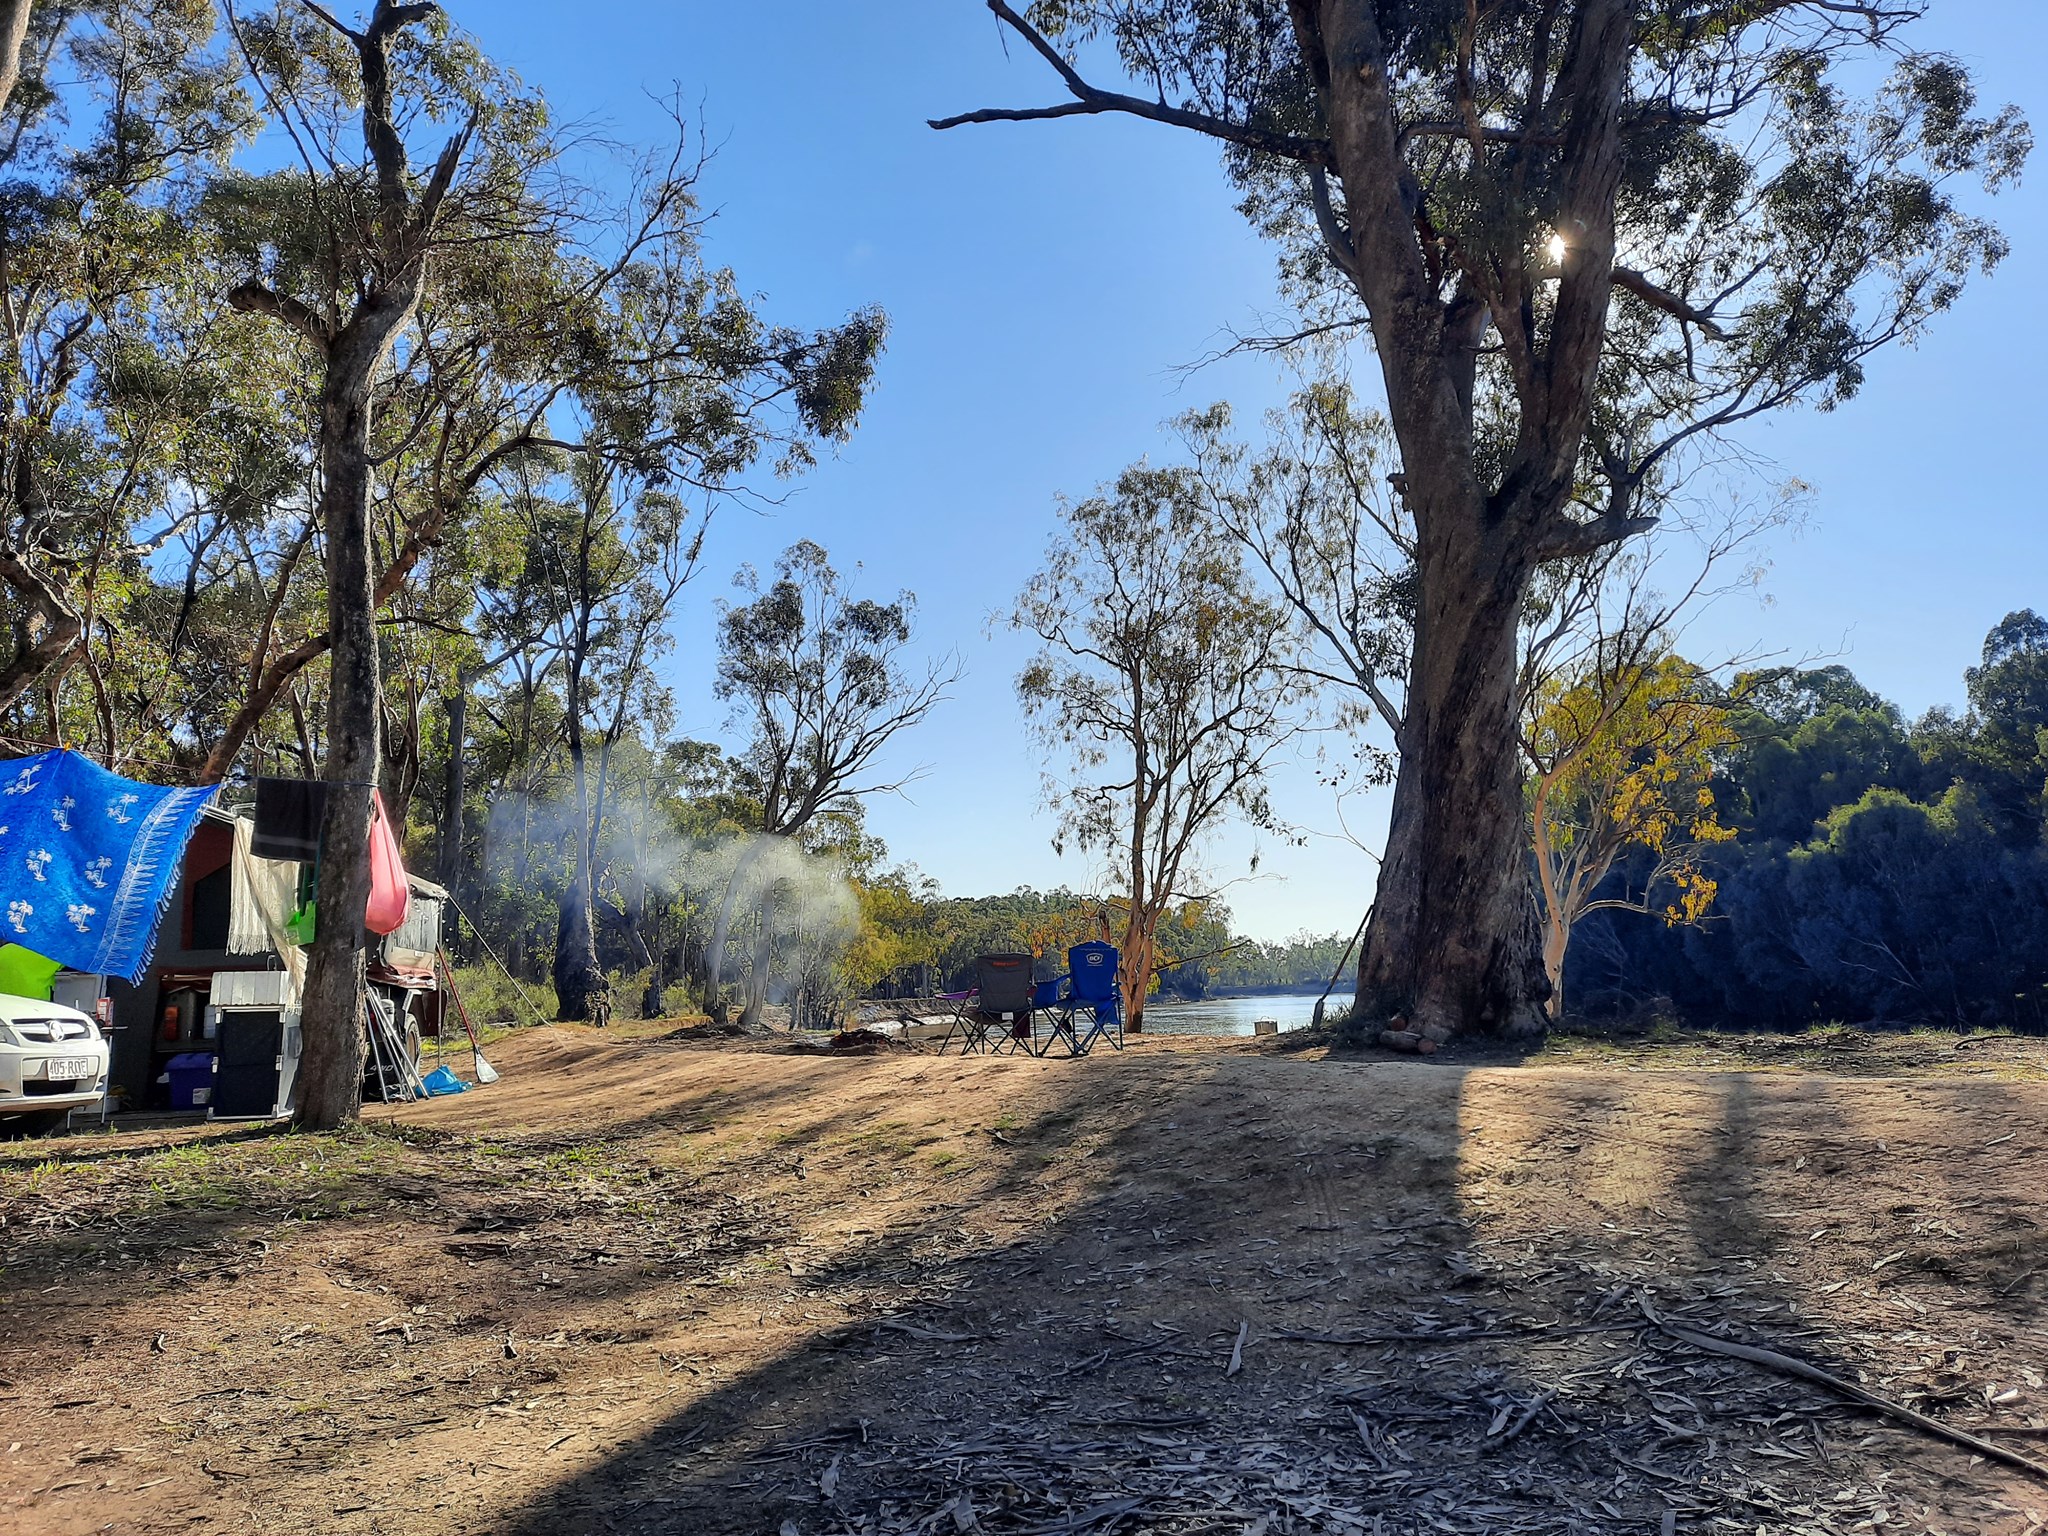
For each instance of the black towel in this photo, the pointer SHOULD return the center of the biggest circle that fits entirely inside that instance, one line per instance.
(288, 817)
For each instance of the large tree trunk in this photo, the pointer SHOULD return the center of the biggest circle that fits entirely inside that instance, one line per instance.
(1452, 941)
(1557, 938)
(14, 16)
(454, 787)
(650, 927)
(577, 975)
(764, 958)
(1557, 917)
(331, 1070)
(1134, 976)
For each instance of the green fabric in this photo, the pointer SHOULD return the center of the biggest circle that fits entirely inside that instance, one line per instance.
(24, 973)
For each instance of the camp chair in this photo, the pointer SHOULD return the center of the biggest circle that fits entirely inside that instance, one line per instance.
(997, 1015)
(1090, 1008)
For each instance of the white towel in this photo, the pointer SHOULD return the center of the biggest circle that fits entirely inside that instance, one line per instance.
(261, 897)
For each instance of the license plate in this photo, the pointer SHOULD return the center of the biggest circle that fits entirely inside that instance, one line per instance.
(70, 1068)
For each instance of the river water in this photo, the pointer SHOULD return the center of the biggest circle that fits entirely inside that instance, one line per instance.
(1231, 1015)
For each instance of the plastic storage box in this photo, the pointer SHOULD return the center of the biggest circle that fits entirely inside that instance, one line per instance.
(191, 1079)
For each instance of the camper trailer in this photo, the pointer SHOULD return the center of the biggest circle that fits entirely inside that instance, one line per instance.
(213, 1026)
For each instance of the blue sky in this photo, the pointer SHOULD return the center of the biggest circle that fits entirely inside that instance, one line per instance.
(1047, 284)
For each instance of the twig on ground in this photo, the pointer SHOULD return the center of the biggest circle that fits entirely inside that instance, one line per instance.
(1528, 1417)
(931, 1335)
(1454, 1336)
(1787, 1365)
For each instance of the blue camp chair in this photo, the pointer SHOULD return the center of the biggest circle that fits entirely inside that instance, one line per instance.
(1089, 1008)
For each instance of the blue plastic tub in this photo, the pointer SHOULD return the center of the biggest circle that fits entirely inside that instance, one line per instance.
(191, 1079)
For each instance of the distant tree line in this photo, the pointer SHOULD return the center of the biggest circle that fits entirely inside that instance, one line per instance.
(934, 940)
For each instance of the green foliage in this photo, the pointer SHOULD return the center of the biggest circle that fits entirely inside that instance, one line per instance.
(1880, 871)
(1792, 779)
(1792, 210)
(493, 999)
(171, 432)
(816, 678)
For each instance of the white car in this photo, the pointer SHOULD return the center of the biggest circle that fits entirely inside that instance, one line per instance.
(53, 1060)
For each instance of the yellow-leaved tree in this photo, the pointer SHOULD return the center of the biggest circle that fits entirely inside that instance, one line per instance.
(895, 936)
(1620, 750)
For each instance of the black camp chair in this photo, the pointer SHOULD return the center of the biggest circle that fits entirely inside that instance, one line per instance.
(997, 1015)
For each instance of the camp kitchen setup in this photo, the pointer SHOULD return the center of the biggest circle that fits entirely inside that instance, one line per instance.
(166, 934)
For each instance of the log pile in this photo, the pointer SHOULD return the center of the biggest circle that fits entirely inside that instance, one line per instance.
(1398, 1036)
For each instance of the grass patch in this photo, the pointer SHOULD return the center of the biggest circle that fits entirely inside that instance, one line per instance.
(889, 1138)
(1834, 1047)
(495, 1001)
(304, 1175)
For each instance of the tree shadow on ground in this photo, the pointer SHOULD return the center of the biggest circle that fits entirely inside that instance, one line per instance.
(1167, 1291)
(1260, 1312)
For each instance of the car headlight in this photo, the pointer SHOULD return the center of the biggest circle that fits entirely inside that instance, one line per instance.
(9, 1037)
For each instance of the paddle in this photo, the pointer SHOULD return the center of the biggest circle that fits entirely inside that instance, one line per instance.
(485, 1072)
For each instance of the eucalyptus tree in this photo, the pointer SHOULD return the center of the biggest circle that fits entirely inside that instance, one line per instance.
(109, 113)
(338, 251)
(1162, 676)
(1622, 751)
(1582, 237)
(818, 680)
(601, 569)
(444, 279)
(1335, 545)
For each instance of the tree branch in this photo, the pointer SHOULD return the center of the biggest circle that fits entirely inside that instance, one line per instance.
(1658, 297)
(62, 626)
(333, 21)
(1565, 537)
(1089, 100)
(436, 190)
(1335, 239)
(380, 128)
(257, 298)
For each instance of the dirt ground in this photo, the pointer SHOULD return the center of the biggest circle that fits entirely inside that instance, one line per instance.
(651, 1285)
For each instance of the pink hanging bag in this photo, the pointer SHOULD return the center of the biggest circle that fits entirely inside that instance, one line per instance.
(390, 894)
